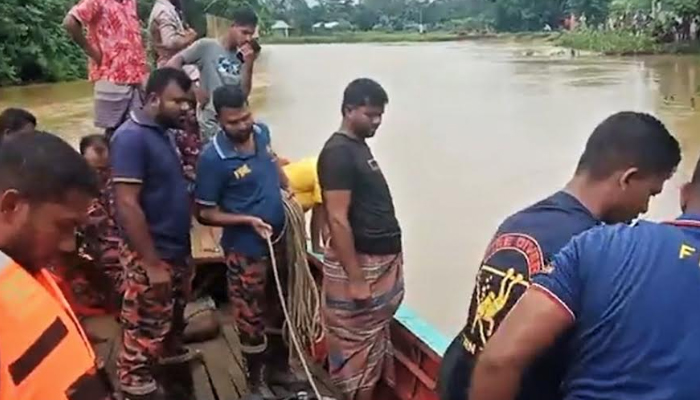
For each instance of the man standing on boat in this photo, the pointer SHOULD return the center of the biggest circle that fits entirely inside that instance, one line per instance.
(117, 59)
(363, 266)
(238, 188)
(153, 207)
(228, 60)
(627, 159)
(45, 190)
(169, 35)
(625, 297)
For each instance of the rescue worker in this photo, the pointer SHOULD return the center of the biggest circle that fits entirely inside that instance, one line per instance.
(238, 188)
(45, 190)
(627, 159)
(153, 210)
(626, 296)
(303, 183)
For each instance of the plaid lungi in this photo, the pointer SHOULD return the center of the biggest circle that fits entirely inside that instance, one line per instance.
(113, 103)
(359, 346)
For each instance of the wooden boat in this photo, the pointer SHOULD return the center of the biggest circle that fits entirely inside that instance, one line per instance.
(220, 374)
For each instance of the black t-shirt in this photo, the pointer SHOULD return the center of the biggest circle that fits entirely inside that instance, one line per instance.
(523, 245)
(346, 163)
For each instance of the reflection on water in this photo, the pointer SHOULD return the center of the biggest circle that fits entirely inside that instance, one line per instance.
(473, 132)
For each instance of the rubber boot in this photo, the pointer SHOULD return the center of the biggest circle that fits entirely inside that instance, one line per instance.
(255, 364)
(278, 371)
(176, 379)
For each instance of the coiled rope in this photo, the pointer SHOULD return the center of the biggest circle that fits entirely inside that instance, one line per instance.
(302, 307)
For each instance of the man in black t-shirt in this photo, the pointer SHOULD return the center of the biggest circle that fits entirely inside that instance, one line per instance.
(627, 159)
(363, 266)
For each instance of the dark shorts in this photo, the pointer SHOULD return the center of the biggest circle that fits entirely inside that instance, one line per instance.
(455, 372)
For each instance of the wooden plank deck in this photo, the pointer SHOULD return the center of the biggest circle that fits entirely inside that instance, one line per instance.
(218, 376)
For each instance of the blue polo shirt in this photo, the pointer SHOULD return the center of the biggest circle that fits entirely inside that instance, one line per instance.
(632, 292)
(239, 183)
(142, 152)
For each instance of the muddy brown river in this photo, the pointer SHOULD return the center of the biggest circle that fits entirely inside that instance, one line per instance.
(473, 131)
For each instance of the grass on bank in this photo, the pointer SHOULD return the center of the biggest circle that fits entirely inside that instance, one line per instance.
(623, 43)
(610, 42)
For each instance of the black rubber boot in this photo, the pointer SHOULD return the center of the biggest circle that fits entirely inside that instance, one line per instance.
(255, 363)
(278, 371)
(174, 373)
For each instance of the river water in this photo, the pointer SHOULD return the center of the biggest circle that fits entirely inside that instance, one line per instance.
(473, 132)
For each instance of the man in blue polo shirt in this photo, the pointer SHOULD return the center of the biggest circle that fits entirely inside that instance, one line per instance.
(153, 211)
(627, 159)
(238, 187)
(628, 296)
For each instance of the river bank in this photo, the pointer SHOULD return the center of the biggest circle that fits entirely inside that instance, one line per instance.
(394, 37)
(622, 43)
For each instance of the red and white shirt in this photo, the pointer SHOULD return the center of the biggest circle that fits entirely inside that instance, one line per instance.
(113, 27)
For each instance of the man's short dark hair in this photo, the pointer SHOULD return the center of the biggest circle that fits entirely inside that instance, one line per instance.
(162, 77)
(90, 140)
(229, 96)
(364, 92)
(42, 168)
(245, 16)
(14, 119)
(630, 139)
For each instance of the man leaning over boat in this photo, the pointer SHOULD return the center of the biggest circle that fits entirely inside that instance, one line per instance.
(624, 296)
(626, 161)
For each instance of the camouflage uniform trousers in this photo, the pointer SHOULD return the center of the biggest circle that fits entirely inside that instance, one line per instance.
(252, 290)
(152, 322)
(96, 275)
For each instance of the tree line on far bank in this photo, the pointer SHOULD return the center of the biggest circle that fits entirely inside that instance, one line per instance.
(466, 15)
(34, 47)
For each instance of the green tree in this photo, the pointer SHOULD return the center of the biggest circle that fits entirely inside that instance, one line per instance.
(33, 44)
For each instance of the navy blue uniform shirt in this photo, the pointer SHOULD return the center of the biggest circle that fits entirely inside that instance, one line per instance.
(143, 152)
(523, 244)
(238, 183)
(632, 292)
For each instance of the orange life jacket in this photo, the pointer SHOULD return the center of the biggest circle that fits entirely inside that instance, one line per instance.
(44, 353)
